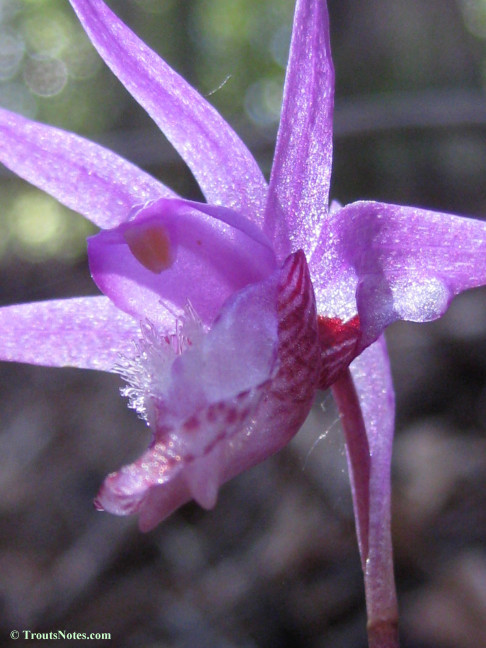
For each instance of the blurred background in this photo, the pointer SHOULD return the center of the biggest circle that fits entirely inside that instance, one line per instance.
(275, 565)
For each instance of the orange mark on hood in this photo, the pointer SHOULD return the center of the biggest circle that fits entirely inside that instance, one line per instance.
(150, 245)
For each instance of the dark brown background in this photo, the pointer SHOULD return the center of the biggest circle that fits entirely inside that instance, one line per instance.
(275, 565)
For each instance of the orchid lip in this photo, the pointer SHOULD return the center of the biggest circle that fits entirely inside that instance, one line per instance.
(205, 394)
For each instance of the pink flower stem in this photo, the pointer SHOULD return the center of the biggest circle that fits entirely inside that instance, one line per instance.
(372, 514)
(358, 454)
(383, 634)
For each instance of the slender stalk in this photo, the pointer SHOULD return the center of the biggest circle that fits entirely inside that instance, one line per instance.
(358, 454)
(371, 501)
(383, 634)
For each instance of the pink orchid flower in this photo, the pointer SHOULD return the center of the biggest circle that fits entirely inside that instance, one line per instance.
(226, 317)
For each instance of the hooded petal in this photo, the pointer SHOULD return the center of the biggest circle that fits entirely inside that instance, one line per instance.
(231, 403)
(86, 332)
(221, 163)
(369, 435)
(299, 184)
(175, 251)
(387, 262)
(82, 175)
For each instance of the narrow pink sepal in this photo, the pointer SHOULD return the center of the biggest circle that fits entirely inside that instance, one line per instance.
(82, 175)
(224, 168)
(299, 184)
(85, 332)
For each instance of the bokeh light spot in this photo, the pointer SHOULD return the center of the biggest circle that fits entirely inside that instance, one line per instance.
(263, 101)
(81, 59)
(279, 45)
(11, 53)
(49, 32)
(40, 229)
(45, 76)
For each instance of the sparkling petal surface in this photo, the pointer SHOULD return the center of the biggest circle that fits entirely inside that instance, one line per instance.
(85, 332)
(260, 374)
(299, 184)
(387, 262)
(224, 168)
(82, 175)
(212, 259)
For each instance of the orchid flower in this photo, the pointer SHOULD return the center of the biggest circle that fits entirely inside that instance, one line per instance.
(226, 317)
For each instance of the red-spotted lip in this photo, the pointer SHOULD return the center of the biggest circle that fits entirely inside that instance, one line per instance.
(222, 438)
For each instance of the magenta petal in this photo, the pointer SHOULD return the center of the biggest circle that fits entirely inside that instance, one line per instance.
(87, 332)
(221, 163)
(387, 262)
(208, 254)
(232, 402)
(373, 382)
(82, 175)
(299, 185)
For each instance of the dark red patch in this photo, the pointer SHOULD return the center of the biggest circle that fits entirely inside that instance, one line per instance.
(244, 413)
(192, 424)
(298, 288)
(211, 414)
(231, 416)
(338, 341)
(332, 330)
